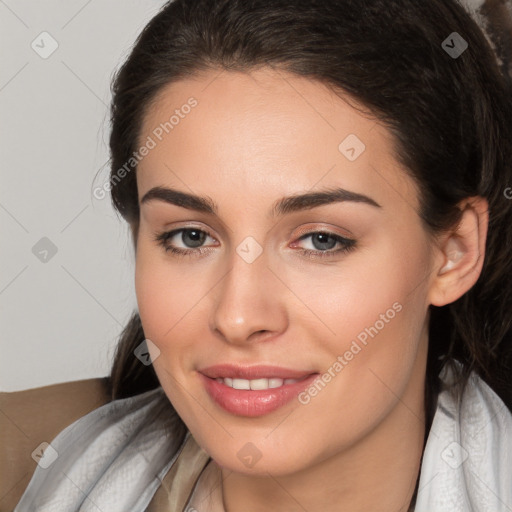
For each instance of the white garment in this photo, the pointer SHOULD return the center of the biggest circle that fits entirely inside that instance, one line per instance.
(114, 458)
(467, 462)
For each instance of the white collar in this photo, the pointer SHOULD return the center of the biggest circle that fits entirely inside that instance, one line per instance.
(467, 462)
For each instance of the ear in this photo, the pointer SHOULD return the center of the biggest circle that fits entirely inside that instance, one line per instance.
(459, 255)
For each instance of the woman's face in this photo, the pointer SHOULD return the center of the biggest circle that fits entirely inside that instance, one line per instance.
(347, 319)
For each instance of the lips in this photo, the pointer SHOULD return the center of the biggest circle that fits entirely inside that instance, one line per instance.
(253, 372)
(253, 390)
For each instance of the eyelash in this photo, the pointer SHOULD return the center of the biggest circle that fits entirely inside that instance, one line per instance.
(348, 244)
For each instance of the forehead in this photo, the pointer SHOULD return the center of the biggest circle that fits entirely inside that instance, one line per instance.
(266, 133)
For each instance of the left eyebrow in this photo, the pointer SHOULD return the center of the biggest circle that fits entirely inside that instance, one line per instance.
(283, 206)
(319, 198)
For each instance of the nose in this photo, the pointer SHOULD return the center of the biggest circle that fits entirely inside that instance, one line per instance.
(249, 302)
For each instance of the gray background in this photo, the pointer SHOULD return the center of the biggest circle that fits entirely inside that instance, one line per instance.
(61, 314)
(60, 318)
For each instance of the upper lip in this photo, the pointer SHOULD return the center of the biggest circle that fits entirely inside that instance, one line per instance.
(236, 371)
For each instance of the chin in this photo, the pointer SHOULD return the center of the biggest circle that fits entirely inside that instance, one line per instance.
(257, 456)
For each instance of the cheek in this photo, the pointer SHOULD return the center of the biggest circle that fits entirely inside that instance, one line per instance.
(166, 305)
(367, 287)
(167, 296)
(172, 308)
(375, 309)
(154, 298)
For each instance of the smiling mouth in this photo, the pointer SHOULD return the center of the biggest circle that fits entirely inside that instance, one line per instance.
(252, 391)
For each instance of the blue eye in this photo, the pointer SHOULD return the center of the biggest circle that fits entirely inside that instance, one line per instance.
(194, 238)
(321, 239)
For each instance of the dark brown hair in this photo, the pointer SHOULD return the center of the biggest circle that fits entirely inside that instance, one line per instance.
(451, 119)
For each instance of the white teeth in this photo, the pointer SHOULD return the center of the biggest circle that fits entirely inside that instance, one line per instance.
(255, 384)
(259, 384)
(275, 383)
(241, 384)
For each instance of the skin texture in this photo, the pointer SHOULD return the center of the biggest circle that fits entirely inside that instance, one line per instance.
(251, 140)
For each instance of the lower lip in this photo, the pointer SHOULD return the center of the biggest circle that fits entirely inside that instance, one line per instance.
(253, 403)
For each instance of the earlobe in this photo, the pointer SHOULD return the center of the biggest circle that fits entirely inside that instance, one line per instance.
(461, 254)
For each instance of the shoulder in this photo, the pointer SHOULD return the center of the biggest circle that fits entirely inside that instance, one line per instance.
(113, 458)
(468, 456)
